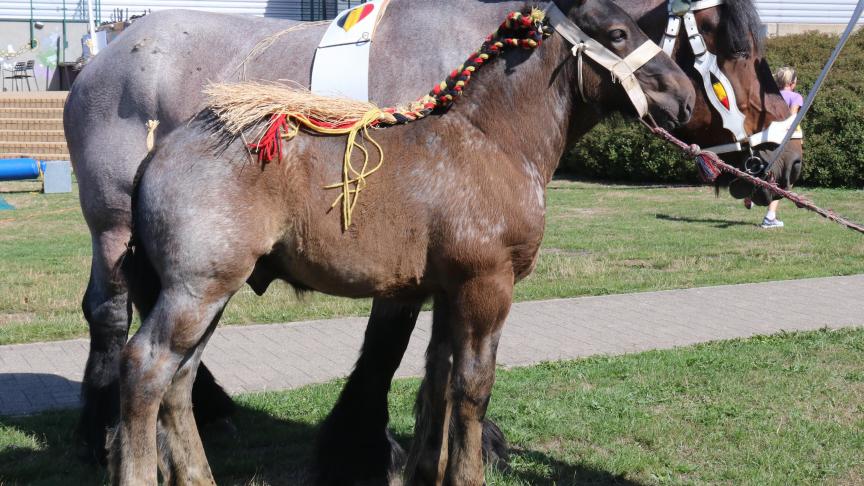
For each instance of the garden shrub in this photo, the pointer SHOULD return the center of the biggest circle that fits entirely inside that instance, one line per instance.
(834, 129)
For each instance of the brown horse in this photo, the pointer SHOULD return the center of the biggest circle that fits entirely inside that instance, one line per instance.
(456, 214)
(354, 441)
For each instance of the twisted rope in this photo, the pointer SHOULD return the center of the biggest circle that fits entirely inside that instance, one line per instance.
(711, 166)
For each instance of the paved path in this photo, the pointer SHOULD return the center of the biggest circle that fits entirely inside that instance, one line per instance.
(35, 377)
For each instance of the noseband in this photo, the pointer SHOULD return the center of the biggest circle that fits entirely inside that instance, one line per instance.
(717, 86)
(622, 69)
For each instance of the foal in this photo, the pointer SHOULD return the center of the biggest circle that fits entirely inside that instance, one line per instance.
(456, 213)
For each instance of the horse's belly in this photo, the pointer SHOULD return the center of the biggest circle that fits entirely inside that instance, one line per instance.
(385, 265)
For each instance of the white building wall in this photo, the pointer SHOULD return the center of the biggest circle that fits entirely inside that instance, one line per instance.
(772, 11)
(77, 9)
(806, 11)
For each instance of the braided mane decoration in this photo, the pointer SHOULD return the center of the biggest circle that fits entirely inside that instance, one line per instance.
(288, 109)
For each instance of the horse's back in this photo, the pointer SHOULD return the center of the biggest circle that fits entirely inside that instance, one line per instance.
(159, 64)
(155, 70)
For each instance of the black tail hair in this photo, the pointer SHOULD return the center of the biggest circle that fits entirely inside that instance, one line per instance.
(134, 266)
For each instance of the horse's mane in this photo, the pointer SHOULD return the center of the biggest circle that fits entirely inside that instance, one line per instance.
(743, 26)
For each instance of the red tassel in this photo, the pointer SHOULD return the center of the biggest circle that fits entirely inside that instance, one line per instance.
(708, 172)
(269, 148)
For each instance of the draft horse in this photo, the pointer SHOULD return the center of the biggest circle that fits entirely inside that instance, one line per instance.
(457, 214)
(354, 437)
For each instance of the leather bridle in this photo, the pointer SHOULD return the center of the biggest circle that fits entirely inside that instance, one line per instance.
(623, 70)
(718, 88)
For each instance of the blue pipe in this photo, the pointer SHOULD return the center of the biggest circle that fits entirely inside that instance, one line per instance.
(20, 169)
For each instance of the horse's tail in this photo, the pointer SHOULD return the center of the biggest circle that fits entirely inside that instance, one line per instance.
(134, 267)
(141, 279)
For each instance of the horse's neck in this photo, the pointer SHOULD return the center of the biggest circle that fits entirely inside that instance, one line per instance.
(524, 102)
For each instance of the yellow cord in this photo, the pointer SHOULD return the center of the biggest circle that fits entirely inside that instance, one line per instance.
(353, 181)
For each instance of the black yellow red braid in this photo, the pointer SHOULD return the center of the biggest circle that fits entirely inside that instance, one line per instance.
(526, 30)
(520, 29)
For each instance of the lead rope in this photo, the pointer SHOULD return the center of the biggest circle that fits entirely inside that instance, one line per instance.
(711, 166)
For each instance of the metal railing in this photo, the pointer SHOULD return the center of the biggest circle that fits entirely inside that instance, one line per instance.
(325, 9)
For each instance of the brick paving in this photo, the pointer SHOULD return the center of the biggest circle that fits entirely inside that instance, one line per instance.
(37, 377)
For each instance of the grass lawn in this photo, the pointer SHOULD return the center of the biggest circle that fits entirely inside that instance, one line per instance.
(784, 410)
(600, 239)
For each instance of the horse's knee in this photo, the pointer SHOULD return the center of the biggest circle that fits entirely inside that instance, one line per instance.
(136, 361)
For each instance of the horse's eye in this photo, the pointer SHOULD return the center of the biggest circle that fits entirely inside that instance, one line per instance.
(617, 35)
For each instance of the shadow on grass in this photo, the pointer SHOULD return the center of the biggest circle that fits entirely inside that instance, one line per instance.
(717, 223)
(547, 470)
(262, 450)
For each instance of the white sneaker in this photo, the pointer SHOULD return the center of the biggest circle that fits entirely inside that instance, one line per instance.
(772, 223)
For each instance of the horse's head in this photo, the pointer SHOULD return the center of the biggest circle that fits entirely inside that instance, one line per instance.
(620, 67)
(739, 113)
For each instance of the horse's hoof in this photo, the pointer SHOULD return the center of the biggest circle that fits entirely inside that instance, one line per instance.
(90, 454)
(398, 459)
(495, 450)
(89, 443)
(341, 459)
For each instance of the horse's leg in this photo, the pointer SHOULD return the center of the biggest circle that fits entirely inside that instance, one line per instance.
(108, 314)
(476, 311)
(354, 443)
(182, 458)
(427, 459)
(167, 347)
(479, 309)
(345, 444)
(106, 310)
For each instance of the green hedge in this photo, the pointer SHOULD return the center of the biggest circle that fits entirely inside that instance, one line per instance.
(834, 128)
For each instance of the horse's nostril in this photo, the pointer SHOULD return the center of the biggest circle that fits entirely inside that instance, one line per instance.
(685, 113)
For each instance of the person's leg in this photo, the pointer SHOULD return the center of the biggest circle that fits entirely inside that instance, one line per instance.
(771, 220)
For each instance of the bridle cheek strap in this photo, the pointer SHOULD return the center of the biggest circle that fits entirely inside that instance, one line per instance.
(622, 70)
(625, 72)
(717, 86)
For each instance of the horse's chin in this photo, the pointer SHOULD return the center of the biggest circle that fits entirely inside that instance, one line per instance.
(666, 119)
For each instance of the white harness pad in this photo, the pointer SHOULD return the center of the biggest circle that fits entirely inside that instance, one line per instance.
(341, 65)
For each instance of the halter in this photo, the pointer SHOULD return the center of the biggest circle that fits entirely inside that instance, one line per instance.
(622, 70)
(717, 86)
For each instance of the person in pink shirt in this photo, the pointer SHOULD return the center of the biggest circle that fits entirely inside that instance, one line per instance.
(787, 80)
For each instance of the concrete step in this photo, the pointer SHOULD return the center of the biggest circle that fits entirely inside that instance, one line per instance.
(34, 155)
(30, 113)
(32, 136)
(31, 124)
(50, 99)
(33, 148)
